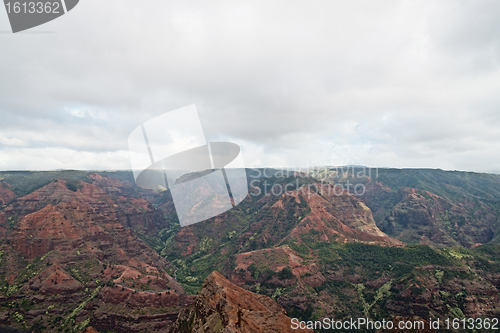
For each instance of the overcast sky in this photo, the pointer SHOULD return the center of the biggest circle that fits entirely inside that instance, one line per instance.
(294, 83)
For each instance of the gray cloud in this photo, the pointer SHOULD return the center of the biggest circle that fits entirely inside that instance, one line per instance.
(387, 83)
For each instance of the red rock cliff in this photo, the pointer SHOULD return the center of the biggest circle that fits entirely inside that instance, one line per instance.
(224, 307)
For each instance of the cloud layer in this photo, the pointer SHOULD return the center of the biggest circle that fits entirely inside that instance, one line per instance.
(383, 84)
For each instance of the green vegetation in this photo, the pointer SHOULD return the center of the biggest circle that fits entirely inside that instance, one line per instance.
(31, 270)
(344, 280)
(70, 320)
(155, 243)
(373, 260)
(73, 185)
(381, 293)
(446, 208)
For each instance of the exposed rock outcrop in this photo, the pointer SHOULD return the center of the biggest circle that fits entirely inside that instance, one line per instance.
(224, 307)
(112, 186)
(90, 329)
(54, 280)
(3, 225)
(70, 250)
(333, 211)
(6, 194)
(54, 193)
(132, 212)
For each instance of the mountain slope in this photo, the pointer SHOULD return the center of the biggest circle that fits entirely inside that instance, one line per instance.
(224, 307)
(6, 194)
(436, 207)
(68, 261)
(84, 245)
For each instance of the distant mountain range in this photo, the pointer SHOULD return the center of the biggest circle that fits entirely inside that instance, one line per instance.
(83, 249)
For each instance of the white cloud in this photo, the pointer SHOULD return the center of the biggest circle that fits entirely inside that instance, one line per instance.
(61, 158)
(386, 83)
(13, 142)
(75, 112)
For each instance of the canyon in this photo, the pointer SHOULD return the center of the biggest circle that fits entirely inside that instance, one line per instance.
(91, 251)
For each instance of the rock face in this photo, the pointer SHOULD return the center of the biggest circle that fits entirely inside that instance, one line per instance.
(79, 232)
(105, 321)
(3, 225)
(72, 227)
(434, 207)
(271, 253)
(55, 281)
(64, 226)
(113, 187)
(331, 212)
(132, 212)
(72, 254)
(224, 307)
(79, 252)
(475, 297)
(54, 193)
(6, 194)
(414, 215)
(90, 330)
(347, 214)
